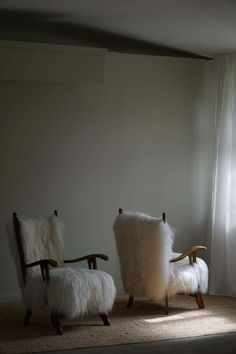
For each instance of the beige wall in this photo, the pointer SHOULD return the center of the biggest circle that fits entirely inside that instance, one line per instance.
(138, 141)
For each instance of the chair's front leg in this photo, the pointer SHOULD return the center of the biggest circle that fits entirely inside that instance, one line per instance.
(166, 304)
(105, 319)
(27, 316)
(56, 322)
(199, 300)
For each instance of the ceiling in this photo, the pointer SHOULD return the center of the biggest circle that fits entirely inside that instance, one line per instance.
(197, 28)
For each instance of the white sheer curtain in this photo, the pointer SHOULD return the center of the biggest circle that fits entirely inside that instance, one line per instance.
(223, 236)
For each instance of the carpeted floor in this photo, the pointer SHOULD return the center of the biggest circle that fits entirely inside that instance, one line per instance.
(144, 322)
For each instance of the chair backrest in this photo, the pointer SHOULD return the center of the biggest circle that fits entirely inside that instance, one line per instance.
(36, 238)
(144, 246)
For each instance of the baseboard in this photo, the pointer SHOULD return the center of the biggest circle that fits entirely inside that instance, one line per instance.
(120, 291)
(4, 298)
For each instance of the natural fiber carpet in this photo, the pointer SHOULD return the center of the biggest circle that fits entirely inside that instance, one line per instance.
(145, 321)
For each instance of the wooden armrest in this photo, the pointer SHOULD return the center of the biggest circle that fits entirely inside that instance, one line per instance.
(44, 266)
(91, 259)
(191, 254)
(51, 262)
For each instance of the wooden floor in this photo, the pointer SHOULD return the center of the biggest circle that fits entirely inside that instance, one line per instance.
(216, 344)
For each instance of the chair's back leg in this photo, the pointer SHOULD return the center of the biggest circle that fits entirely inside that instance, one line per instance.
(27, 316)
(56, 322)
(130, 301)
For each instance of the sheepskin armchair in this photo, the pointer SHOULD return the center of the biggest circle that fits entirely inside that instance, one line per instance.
(45, 279)
(149, 267)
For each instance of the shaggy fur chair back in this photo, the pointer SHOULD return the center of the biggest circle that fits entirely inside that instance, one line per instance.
(144, 246)
(42, 238)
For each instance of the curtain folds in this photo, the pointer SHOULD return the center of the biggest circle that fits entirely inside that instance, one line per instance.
(223, 235)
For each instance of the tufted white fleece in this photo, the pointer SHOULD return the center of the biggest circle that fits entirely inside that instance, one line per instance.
(186, 278)
(42, 238)
(78, 291)
(74, 292)
(144, 246)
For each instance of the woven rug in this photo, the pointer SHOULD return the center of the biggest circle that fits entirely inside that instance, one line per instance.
(145, 321)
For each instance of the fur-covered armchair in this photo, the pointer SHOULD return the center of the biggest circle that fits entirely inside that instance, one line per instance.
(149, 267)
(45, 280)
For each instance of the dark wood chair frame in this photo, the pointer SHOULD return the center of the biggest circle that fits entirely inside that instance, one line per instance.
(45, 265)
(192, 255)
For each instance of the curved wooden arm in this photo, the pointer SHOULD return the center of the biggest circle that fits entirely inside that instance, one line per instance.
(51, 262)
(44, 266)
(91, 259)
(192, 254)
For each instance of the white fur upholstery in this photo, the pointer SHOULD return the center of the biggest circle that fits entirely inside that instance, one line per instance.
(144, 246)
(42, 238)
(186, 278)
(74, 292)
(93, 291)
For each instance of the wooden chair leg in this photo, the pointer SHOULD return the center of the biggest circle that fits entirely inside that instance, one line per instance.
(166, 305)
(130, 301)
(27, 316)
(105, 319)
(55, 319)
(199, 300)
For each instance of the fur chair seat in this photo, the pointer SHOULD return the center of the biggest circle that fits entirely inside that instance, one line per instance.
(186, 278)
(73, 292)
